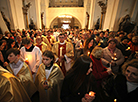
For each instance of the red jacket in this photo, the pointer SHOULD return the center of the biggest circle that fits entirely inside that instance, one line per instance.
(98, 70)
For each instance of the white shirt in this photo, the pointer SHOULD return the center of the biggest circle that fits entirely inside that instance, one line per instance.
(34, 57)
(131, 86)
(16, 67)
(48, 72)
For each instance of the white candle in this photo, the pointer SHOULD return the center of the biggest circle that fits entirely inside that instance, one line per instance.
(60, 54)
(50, 40)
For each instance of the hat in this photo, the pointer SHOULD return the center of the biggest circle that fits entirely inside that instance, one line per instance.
(112, 39)
(124, 38)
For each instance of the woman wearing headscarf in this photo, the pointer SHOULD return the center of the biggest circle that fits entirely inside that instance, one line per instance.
(79, 81)
(112, 56)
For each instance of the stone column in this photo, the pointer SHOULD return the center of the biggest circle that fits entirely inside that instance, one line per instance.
(117, 9)
(84, 15)
(95, 13)
(35, 12)
(47, 5)
(15, 6)
(3, 25)
(111, 13)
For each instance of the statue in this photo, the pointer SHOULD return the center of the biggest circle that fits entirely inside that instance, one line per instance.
(126, 25)
(42, 16)
(103, 8)
(25, 10)
(6, 21)
(97, 24)
(31, 25)
(87, 20)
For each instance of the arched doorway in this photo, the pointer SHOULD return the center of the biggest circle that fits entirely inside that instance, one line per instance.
(66, 22)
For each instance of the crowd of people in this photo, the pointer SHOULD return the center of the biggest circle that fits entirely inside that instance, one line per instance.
(72, 65)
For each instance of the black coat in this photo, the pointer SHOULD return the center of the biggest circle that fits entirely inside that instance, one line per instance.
(116, 88)
(123, 48)
(68, 96)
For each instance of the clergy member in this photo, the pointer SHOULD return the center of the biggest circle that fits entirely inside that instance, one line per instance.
(21, 70)
(32, 55)
(11, 90)
(63, 51)
(39, 43)
(49, 79)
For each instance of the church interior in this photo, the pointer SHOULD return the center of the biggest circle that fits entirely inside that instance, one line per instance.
(69, 51)
(82, 14)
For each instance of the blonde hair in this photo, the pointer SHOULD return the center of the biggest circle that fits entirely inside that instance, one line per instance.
(97, 52)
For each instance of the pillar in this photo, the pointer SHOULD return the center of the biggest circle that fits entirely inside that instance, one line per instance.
(116, 9)
(15, 6)
(34, 12)
(95, 13)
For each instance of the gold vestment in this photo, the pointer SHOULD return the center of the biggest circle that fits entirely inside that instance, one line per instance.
(25, 77)
(11, 90)
(55, 79)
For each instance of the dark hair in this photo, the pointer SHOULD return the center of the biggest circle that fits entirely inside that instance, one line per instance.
(15, 51)
(87, 42)
(61, 34)
(26, 41)
(1, 42)
(49, 54)
(10, 41)
(78, 72)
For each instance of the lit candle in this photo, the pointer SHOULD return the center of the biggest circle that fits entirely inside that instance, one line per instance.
(114, 54)
(27, 61)
(88, 53)
(128, 48)
(91, 93)
(81, 45)
(115, 100)
(99, 44)
(60, 54)
(50, 40)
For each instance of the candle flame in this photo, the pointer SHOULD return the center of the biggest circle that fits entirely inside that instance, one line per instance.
(88, 53)
(114, 54)
(91, 93)
(115, 100)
